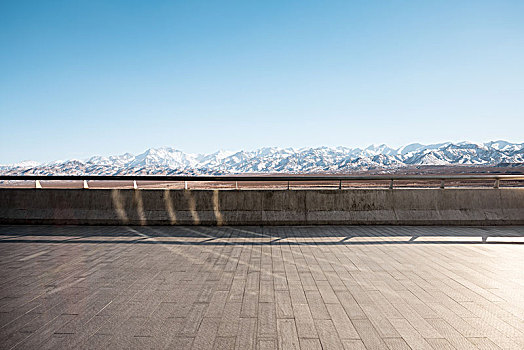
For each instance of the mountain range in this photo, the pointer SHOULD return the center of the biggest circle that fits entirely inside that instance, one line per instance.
(170, 161)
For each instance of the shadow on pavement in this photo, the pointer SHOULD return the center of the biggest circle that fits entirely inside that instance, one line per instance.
(257, 235)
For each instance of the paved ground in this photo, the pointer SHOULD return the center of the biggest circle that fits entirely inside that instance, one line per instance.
(64, 287)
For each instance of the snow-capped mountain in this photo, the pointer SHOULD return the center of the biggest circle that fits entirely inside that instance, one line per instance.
(168, 160)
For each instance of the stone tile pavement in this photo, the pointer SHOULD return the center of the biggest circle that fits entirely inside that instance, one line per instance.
(324, 287)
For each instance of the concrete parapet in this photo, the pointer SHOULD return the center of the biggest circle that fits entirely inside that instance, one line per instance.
(453, 206)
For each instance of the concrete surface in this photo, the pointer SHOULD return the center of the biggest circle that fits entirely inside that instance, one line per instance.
(454, 206)
(246, 288)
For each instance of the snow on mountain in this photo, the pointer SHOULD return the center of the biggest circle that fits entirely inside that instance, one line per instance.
(165, 157)
(505, 146)
(120, 160)
(25, 164)
(168, 160)
(379, 149)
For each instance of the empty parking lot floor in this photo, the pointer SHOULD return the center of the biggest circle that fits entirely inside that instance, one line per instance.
(323, 287)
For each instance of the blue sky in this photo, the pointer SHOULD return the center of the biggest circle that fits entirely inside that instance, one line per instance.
(79, 78)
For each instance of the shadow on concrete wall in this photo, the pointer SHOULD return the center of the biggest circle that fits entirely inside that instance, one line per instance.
(173, 208)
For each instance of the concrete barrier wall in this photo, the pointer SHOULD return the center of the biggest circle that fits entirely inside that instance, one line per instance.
(465, 206)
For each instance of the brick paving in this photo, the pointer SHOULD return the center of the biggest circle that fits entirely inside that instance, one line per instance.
(325, 287)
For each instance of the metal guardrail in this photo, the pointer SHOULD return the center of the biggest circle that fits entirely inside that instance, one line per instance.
(264, 178)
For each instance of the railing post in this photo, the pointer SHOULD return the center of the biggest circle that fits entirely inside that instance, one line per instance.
(85, 185)
(441, 183)
(340, 185)
(135, 186)
(391, 184)
(236, 185)
(288, 185)
(497, 183)
(185, 185)
(37, 184)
